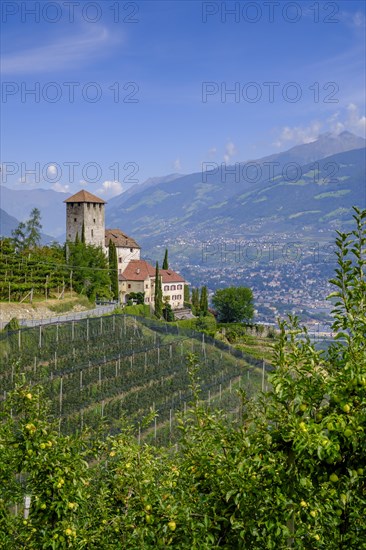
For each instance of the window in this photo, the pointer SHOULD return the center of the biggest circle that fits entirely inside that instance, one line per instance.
(179, 296)
(75, 219)
(94, 220)
(172, 287)
(92, 233)
(129, 286)
(120, 260)
(166, 287)
(131, 249)
(179, 287)
(146, 286)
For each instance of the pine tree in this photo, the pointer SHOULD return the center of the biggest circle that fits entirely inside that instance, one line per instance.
(34, 227)
(19, 236)
(28, 234)
(204, 301)
(113, 268)
(165, 261)
(158, 293)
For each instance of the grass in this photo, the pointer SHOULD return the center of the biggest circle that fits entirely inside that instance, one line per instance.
(141, 310)
(260, 347)
(63, 306)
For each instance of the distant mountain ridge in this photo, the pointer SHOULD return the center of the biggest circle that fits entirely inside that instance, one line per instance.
(173, 204)
(19, 203)
(202, 200)
(7, 223)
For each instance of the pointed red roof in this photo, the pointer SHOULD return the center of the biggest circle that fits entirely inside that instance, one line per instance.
(85, 196)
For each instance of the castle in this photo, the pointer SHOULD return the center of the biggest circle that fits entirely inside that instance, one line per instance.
(85, 215)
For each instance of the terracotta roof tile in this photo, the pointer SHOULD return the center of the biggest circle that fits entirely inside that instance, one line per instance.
(140, 270)
(85, 196)
(170, 276)
(120, 239)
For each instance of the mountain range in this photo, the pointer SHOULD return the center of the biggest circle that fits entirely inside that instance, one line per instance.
(309, 187)
(316, 182)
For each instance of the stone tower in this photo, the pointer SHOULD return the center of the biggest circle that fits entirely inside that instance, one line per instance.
(88, 210)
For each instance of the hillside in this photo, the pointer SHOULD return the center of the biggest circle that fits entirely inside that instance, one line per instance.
(311, 199)
(174, 207)
(7, 223)
(121, 363)
(19, 203)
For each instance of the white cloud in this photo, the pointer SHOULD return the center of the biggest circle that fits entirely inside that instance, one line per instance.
(61, 53)
(297, 135)
(355, 121)
(61, 188)
(230, 151)
(352, 121)
(355, 19)
(52, 169)
(177, 165)
(349, 119)
(110, 188)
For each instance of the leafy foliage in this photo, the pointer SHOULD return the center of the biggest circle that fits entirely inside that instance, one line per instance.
(203, 301)
(41, 269)
(90, 270)
(113, 268)
(28, 234)
(291, 474)
(165, 261)
(234, 304)
(168, 313)
(158, 293)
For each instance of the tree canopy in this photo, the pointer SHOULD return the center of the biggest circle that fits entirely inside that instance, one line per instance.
(90, 270)
(234, 304)
(28, 234)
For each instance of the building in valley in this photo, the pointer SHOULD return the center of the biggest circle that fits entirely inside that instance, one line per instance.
(85, 217)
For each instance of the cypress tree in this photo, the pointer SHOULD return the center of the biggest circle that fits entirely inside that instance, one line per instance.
(204, 301)
(168, 313)
(165, 261)
(113, 268)
(187, 297)
(158, 293)
(195, 301)
(83, 233)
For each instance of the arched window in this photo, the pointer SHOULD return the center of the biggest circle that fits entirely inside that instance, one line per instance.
(179, 287)
(172, 287)
(166, 287)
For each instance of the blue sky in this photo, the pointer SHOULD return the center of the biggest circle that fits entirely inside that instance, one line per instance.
(149, 81)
